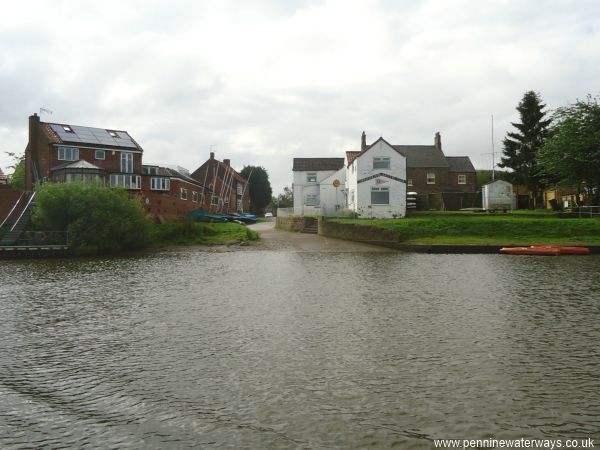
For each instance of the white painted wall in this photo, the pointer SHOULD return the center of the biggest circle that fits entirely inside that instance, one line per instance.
(331, 196)
(362, 191)
(302, 188)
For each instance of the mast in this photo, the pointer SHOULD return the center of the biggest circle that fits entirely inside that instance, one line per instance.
(493, 153)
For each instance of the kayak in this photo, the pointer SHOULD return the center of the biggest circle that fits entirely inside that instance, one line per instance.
(545, 250)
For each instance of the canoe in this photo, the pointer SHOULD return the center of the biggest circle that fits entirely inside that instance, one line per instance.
(545, 250)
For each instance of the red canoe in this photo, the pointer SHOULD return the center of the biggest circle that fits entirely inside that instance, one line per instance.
(545, 250)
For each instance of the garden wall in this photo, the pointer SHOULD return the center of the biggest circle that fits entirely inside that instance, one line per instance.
(352, 232)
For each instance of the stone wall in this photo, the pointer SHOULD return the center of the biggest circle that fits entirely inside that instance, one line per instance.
(294, 223)
(359, 233)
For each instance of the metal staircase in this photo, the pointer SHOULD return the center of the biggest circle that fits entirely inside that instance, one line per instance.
(17, 218)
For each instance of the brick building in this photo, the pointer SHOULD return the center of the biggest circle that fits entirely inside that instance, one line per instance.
(64, 153)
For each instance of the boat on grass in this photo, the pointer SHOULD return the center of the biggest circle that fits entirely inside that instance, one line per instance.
(545, 250)
(199, 215)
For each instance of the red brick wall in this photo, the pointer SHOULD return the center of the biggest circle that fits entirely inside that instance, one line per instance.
(444, 181)
(168, 205)
(112, 161)
(8, 197)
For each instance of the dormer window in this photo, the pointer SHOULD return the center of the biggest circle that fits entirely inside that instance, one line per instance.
(68, 129)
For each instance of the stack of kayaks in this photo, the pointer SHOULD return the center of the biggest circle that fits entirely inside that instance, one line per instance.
(545, 250)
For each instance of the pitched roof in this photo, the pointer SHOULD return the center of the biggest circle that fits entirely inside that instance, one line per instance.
(58, 133)
(422, 155)
(351, 156)
(460, 164)
(316, 164)
(80, 164)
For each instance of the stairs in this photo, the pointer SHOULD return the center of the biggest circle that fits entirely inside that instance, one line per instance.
(311, 226)
(17, 219)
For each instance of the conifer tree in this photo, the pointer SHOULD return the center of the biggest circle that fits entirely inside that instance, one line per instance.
(521, 147)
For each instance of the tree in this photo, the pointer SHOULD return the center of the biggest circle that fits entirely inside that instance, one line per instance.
(571, 154)
(521, 148)
(17, 179)
(98, 219)
(259, 186)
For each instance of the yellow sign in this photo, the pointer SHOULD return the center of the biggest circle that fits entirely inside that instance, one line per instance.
(336, 183)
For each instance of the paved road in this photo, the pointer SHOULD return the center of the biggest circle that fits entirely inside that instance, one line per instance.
(273, 239)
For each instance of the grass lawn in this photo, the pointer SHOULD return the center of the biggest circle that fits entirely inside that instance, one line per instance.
(199, 233)
(465, 227)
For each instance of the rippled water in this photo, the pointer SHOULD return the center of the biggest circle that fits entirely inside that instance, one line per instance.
(274, 350)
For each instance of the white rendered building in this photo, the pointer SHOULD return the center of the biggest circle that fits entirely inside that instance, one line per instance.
(313, 187)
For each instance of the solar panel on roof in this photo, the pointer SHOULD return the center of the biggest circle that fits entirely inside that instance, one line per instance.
(91, 135)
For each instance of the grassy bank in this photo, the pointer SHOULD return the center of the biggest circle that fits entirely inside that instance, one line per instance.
(517, 228)
(198, 233)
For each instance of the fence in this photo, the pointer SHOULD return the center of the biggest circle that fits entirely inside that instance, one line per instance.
(589, 211)
(43, 238)
(314, 211)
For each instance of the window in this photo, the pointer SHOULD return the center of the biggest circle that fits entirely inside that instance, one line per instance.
(86, 177)
(381, 162)
(311, 177)
(150, 170)
(68, 154)
(214, 200)
(409, 182)
(194, 196)
(462, 179)
(68, 129)
(239, 205)
(430, 178)
(160, 184)
(125, 181)
(380, 195)
(113, 133)
(126, 162)
(240, 190)
(100, 154)
(311, 200)
(183, 193)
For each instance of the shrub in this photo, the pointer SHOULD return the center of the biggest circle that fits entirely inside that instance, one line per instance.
(98, 219)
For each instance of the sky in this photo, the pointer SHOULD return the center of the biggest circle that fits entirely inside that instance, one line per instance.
(263, 82)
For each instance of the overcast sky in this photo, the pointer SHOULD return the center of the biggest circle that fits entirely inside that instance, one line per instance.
(266, 81)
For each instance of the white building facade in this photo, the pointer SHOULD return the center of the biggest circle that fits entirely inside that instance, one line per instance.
(313, 188)
(376, 182)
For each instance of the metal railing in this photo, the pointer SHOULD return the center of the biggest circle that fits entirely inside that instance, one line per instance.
(591, 211)
(12, 209)
(43, 238)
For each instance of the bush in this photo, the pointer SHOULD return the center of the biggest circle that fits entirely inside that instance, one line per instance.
(98, 219)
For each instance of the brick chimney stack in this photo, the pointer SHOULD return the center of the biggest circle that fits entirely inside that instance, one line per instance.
(363, 142)
(212, 155)
(31, 152)
(226, 162)
(437, 141)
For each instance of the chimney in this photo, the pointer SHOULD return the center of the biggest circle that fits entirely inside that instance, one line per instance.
(363, 142)
(31, 152)
(212, 155)
(437, 141)
(226, 162)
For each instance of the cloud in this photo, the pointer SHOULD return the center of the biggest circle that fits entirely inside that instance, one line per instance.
(264, 82)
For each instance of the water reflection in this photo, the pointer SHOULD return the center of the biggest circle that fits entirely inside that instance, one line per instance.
(297, 350)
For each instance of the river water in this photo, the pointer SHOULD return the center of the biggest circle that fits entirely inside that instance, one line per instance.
(287, 349)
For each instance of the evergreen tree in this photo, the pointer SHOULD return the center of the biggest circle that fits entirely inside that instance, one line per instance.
(260, 187)
(521, 148)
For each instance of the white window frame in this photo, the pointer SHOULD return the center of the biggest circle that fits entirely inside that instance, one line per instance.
(183, 193)
(311, 200)
(381, 162)
(214, 200)
(311, 177)
(126, 162)
(99, 152)
(126, 181)
(160, 184)
(240, 189)
(380, 190)
(462, 178)
(239, 205)
(68, 154)
(194, 196)
(430, 177)
(409, 182)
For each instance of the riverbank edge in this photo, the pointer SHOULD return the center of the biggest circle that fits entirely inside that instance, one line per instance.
(387, 238)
